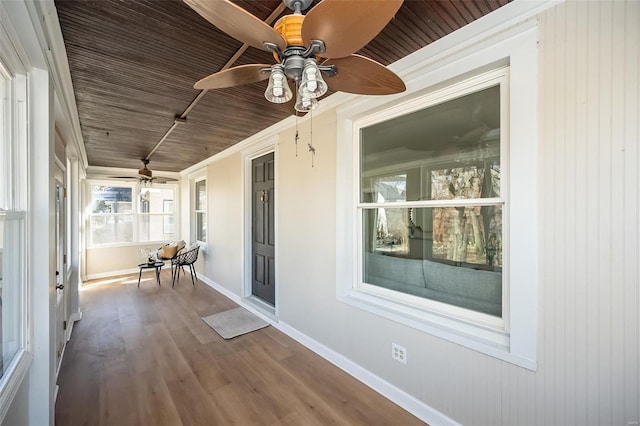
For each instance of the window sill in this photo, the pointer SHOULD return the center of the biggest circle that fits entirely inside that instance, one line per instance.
(489, 341)
(12, 380)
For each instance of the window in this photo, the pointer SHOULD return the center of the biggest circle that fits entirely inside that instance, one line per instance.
(130, 214)
(431, 206)
(200, 209)
(453, 200)
(14, 355)
(156, 220)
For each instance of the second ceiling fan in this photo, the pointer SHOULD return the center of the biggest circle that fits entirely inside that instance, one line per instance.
(306, 47)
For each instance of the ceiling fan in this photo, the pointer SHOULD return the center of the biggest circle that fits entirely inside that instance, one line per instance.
(145, 176)
(306, 47)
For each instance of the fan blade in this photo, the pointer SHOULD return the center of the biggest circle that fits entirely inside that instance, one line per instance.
(236, 76)
(237, 22)
(162, 179)
(363, 76)
(346, 26)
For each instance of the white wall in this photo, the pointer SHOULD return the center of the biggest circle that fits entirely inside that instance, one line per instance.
(588, 319)
(110, 261)
(223, 258)
(589, 365)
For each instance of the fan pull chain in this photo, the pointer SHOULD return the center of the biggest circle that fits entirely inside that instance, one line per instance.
(310, 144)
(297, 135)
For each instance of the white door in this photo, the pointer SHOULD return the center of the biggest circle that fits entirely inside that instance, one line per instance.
(61, 266)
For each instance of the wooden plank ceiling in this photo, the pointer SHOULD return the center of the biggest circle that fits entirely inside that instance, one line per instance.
(134, 62)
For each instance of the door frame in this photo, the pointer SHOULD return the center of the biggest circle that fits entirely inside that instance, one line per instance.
(60, 232)
(266, 147)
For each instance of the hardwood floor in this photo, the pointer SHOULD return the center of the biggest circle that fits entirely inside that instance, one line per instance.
(144, 357)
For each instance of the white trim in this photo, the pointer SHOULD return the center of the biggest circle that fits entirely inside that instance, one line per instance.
(265, 147)
(386, 389)
(16, 372)
(59, 366)
(193, 212)
(76, 316)
(403, 302)
(51, 42)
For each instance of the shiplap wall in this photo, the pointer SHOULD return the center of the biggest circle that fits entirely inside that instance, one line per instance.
(589, 108)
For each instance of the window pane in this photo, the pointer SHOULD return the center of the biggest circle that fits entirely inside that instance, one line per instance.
(111, 199)
(156, 200)
(386, 189)
(12, 266)
(444, 151)
(201, 195)
(111, 228)
(441, 254)
(156, 227)
(201, 226)
(4, 140)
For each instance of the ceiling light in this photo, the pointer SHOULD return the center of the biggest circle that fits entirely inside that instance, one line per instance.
(305, 101)
(278, 90)
(312, 81)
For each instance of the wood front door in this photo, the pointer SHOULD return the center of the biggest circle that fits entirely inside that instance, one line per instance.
(263, 283)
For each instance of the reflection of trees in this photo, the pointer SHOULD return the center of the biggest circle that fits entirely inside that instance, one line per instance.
(391, 229)
(459, 233)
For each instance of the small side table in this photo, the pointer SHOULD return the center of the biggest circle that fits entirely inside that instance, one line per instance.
(156, 265)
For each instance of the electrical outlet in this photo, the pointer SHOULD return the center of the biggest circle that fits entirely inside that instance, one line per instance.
(398, 353)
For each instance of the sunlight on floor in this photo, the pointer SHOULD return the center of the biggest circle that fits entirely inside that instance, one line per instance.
(126, 280)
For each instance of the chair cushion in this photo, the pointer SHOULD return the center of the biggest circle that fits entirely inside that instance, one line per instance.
(168, 251)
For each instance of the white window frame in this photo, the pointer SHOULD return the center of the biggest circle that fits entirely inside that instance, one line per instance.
(435, 70)
(201, 211)
(14, 205)
(135, 202)
(497, 327)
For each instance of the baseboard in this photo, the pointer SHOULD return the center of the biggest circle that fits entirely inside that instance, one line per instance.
(111, 274)
(67, 335)
(77, 316)
(389, 391)
(217, 287)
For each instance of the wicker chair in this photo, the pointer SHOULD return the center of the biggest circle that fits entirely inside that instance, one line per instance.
(169, 251)
(185, 258)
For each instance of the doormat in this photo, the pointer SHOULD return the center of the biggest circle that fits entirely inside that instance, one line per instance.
(235, 322)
